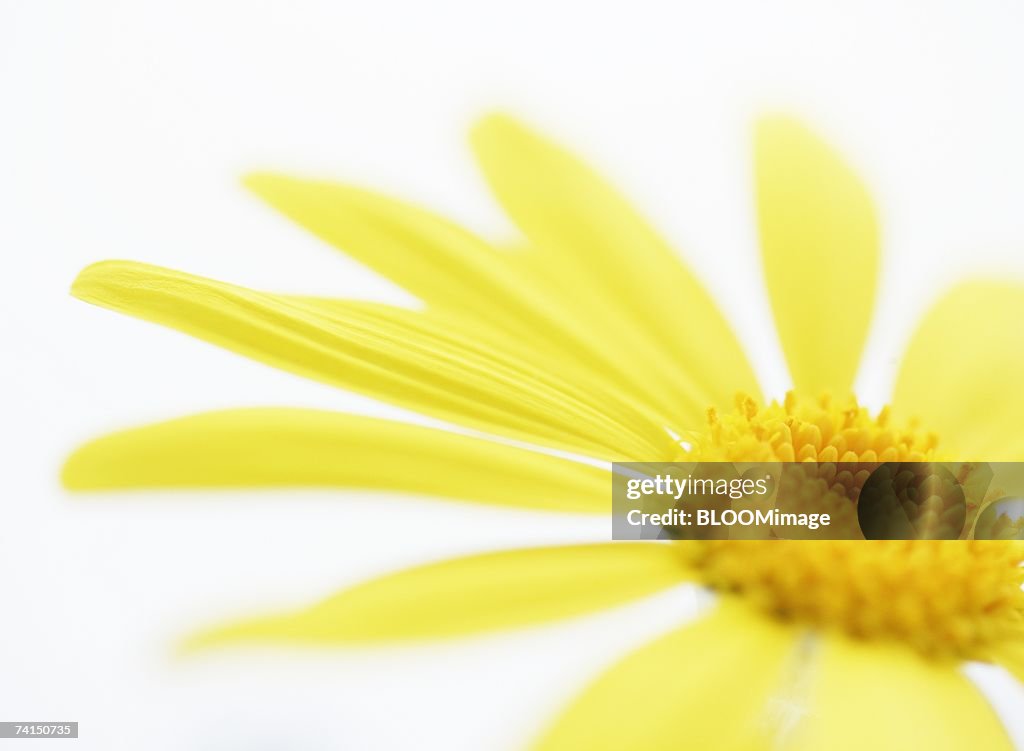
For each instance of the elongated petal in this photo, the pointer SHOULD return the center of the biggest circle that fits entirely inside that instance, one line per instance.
(382, 353)
(453, 270)
(472, 595)
(460, 331)
(962, 372)
(297, 447)
(819, 238)
(435, 259)
(885, 696)
(589, 234)
(704, 686)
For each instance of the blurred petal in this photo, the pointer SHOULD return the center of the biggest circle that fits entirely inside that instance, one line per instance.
(704, 686)
(455, 271)
(295, 447)
(885, 696)
(819, 239)
(472, 595)
(585, 232)
(386, 353)
(966, 361)
(431, 257)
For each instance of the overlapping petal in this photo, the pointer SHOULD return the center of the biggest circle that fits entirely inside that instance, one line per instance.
(384, 352)
(589, 237)
(704, 686)
(882, 695)
(514, 299)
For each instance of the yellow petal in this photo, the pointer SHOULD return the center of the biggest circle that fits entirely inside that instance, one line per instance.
(585, 232)
(462, 331)
(962, 372)
(433, 258)
(455, 271)
(819, 238)
(885, 696)
(666, 388)
(472, 595)
(705, 686)
(385, 353)
(296, 447)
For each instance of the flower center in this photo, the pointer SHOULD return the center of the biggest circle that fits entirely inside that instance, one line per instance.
(955, 597)
(803, 430)
(943, 597)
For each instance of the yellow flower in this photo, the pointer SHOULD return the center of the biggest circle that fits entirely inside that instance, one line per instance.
(594, 339)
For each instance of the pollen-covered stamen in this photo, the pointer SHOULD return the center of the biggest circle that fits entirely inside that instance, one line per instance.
(804, 430)
(945, 598)
(842, 445)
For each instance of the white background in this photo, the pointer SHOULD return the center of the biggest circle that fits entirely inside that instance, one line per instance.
(123, 129)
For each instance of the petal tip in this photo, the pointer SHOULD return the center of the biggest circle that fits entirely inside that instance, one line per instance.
(234, 634)
(787, 144)
(88, 278)
(776, 129)
(259, 182)
(200, 641)
(495, 127)
(88, 467)
(71, 476)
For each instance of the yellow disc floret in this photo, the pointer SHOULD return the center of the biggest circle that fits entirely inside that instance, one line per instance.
(803, 430)
(841, 445)
(945, 598)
